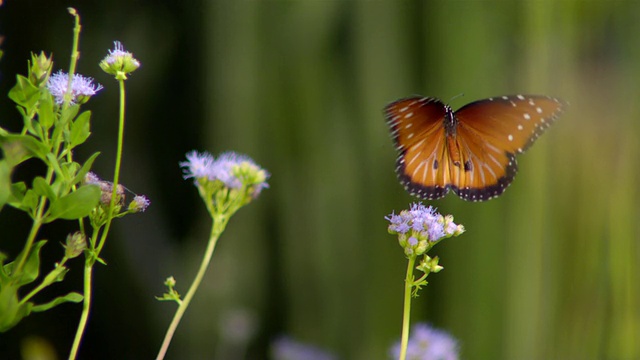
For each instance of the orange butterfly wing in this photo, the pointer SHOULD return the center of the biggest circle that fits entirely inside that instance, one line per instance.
(471, 151)
(417, 131)
(490, 133)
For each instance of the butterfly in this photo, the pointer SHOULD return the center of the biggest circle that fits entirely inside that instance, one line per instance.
(471, 151)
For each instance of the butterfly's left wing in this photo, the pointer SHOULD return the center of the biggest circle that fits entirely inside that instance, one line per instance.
(489, 135)
(417, 129)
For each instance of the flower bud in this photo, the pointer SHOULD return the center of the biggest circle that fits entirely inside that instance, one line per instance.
(75, 245)
(119, 62)
(39, 69)
(170, 282)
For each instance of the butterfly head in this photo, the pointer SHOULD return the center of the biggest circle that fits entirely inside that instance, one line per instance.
(450, 121)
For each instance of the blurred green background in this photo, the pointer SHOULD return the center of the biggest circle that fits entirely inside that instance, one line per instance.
(547, 271)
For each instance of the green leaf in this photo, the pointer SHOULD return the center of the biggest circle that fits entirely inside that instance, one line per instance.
(53, 162)
(18, 148)
(5, 182)
(24, 93)
(46, 113)
(85, 169)
(18, 191)
(42, 188)
(11, 312)
(75, 205)
(73, 297)
(68, 114)
(30, 269)
(80, 129)
(29, 202)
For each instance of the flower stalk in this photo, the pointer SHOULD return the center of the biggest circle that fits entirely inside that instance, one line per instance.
(419, 229)
(225, 185)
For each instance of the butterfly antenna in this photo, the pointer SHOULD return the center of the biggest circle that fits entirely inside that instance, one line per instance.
(455, 97)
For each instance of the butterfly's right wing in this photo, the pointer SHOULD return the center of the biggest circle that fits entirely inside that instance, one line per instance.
(489, 135)
(419, 136)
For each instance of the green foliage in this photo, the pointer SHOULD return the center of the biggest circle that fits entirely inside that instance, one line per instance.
(51, 131)
(11, 309)
(75, 205)
(70, 297)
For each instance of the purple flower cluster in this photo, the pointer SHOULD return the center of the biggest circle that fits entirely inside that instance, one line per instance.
(421, 221)
(80, 86)
(232, 169)
(286, 348)
(427, 343)
(119, 62)
(140, 203)
(421, 227)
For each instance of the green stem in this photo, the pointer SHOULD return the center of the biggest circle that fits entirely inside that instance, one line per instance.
(74, 57)
(45, 282)
(406, 317)
(86, 304)
(37, 223)
(217, 228)
(116, 175)
(95, 253)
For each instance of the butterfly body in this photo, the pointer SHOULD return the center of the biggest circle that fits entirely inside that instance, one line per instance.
(471, 151)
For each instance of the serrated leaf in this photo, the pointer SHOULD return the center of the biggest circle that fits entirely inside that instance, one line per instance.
(75, 205)
(24, 93)
(42, 188)
(85, 169)
(80, 129)
(73, 297)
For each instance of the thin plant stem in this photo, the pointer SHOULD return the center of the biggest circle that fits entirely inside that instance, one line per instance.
(74, 56)
(406, 317)
(43, 200)
(217, 228)
(86, 304)
(45, 282)
(94, 253)
(116, 174)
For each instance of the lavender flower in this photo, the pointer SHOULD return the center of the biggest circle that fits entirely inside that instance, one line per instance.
(119, 62)
(421, 227)
(232, 169)
(81, 87)
(427, 343)
(140, 203)
(286, 348)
